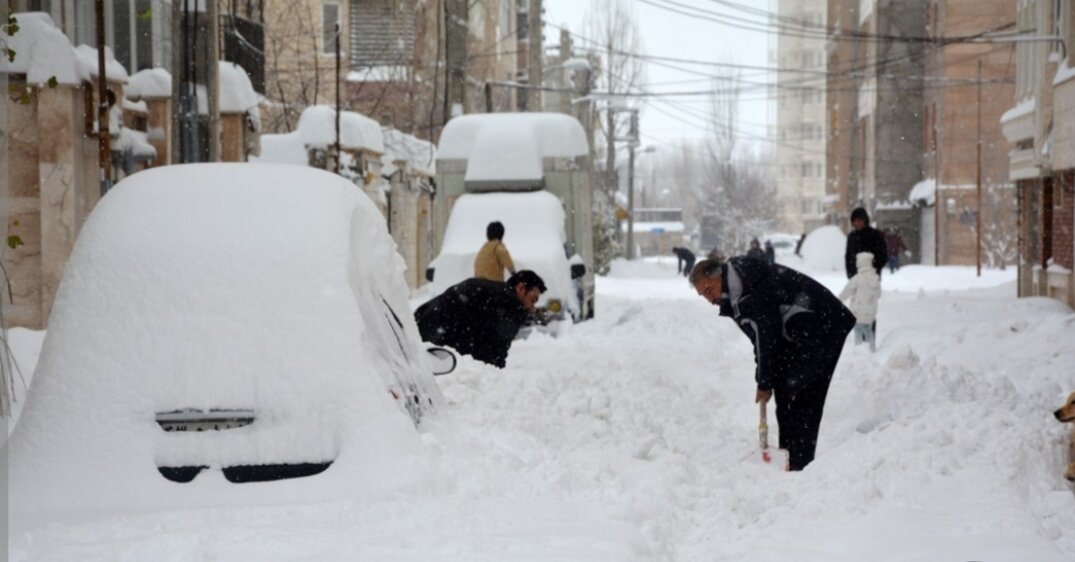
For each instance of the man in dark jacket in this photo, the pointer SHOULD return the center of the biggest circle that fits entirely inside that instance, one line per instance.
(684, 260)
(479, 317)
(798, 329)
(864, 238)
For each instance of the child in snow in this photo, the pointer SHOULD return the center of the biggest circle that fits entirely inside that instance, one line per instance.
(864, 290)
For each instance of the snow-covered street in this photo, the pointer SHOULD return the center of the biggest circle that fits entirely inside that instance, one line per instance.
(633, 437)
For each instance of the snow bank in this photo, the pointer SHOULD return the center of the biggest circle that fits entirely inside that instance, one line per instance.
(511, 146)
(533, 232)
(271, 288)
(823, 249)
(149, 83)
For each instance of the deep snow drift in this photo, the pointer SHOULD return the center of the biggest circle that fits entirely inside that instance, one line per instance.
(633, 437)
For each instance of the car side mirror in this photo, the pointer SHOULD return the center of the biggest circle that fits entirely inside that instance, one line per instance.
(444, 361)
(578, 270)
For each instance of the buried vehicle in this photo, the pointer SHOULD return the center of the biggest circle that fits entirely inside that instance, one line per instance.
(224, 334)
(530, 171)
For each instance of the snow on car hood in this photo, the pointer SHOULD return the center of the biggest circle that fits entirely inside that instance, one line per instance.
(264, 287)
(533, 233)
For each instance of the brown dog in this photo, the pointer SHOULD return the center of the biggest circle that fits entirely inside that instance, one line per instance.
(1066, 414)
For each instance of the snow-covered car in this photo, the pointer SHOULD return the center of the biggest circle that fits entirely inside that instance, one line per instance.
(220, 325)
(534, 234)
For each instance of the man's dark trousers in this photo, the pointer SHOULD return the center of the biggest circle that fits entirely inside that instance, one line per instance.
(798, 415)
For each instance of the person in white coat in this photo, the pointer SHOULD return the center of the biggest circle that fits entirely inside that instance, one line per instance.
(864, 290)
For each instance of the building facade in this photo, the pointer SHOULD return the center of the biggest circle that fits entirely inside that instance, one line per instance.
(1041, 126)
(800, 115)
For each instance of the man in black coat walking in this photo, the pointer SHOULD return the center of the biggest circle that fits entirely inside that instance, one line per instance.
(479, 317)
(798, 329)
(864, 238)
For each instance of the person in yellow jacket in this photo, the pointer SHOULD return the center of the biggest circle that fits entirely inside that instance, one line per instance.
(493, 258)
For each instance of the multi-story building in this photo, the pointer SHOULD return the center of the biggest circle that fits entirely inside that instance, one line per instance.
(1041, 125)
(967, 86)
(877, 59)
(800, 115)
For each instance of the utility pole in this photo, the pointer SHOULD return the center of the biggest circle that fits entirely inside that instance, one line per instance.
(936, 193)
(104, 140)
(534, 50)
(338, 109)
(455, 45)
(978, 229)
(632, 144)
(212, 79)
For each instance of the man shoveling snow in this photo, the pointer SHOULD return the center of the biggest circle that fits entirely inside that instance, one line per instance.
(798, 330)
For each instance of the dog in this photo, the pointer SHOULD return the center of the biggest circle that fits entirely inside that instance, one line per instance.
(1066, 414)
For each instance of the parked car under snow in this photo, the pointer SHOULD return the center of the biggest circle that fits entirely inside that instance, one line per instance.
(225, 334)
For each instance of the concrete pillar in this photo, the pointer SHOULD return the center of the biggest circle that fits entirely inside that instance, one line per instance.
(159, 129)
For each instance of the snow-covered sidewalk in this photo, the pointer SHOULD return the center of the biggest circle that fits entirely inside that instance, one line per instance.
(633, 437)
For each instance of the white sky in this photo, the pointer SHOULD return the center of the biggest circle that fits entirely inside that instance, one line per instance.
(668, 34)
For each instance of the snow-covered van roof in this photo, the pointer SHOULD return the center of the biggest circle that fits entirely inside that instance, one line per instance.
(511, 147)
(268, 294)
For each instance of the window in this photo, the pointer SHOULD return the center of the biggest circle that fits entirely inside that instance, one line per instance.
(330, 21)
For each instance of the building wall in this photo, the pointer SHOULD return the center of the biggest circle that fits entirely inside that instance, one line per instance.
(841, 111)
(955, 121)
(297, 73)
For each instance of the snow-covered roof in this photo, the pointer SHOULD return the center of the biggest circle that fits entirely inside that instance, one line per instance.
(272, 289)
(42, 52)
(510, 146)
(924, 190)
(416, 155)
(149, 83)
(317, 127)
(237, 94)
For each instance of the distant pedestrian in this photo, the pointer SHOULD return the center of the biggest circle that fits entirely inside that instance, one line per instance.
(863, 291)
(895, 246)
(770, 252)
(798, 329)
(755, 251)
(799, 245)
(864, 238)
(684, 260)
(493, 257)
(480, 318)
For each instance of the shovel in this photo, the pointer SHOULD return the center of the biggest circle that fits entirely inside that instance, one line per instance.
(763, 434)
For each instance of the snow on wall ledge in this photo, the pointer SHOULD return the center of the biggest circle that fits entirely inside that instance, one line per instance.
(511, 146)
(42, 52)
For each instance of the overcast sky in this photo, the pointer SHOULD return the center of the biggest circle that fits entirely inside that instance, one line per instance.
(668, 34)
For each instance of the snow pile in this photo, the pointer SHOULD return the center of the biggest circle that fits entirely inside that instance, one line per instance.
(149, 83)
(511, 146)
(317, 128)
(823, 249)
(235, 286)
(407, 152)
(43, 52)
(87, 57)
(25, 349)
(923, 192)
(533, 233)
(137, 142)
(237, 94)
